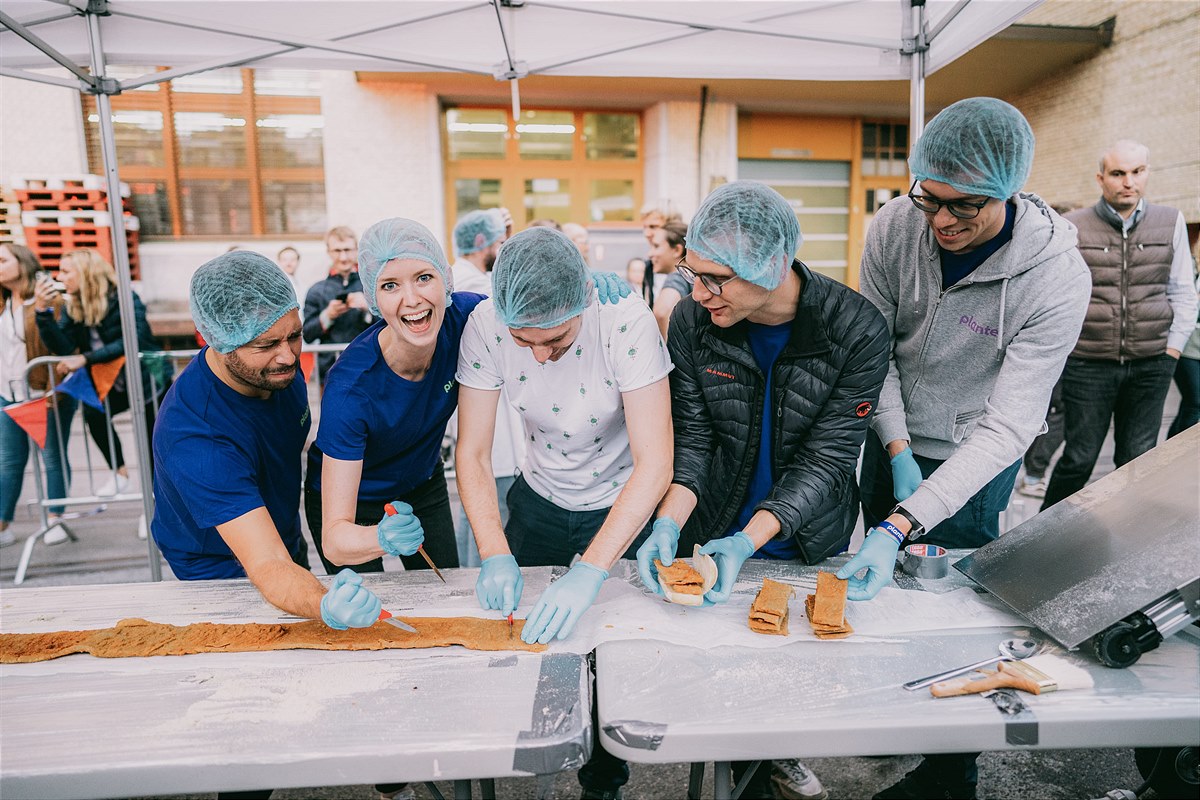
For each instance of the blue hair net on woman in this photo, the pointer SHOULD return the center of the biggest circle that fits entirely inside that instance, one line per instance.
(749, 228)
(540, 280)
(477, 230)
(980, 145)
(395, 238)
(237, 297)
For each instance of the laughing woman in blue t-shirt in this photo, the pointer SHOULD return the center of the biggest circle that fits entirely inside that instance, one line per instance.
(385, 408)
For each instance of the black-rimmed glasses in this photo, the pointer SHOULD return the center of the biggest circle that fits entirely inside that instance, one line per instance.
(963, 209)
(713, 284)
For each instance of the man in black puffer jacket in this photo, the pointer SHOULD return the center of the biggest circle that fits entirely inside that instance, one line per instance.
(777, 370)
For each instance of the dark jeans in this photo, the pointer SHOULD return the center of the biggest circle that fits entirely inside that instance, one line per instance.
(1095, 392)
(974, 525)
(431, 504)
(541, 534)
(105, 436)
(1187, 378)
(1037, 457)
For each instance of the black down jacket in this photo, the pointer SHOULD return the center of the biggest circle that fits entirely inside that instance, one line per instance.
(826, 384)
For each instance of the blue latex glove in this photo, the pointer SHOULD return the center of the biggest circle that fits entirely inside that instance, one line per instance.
(878, 556)
(906, 475)
(348, 604)
(563, 603)
(610, 288)
(662, 544)
(729, 553)
(400, 534)
(500, 584)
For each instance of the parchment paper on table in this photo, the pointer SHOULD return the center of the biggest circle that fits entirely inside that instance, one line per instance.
(769, 611)
(827, 608)
(685, 583)
(131, 638)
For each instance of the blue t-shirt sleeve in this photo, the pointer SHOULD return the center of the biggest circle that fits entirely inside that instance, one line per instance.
(218, 482)
(343, 429)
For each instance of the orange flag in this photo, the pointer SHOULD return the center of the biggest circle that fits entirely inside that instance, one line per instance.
(31, 417)
(306, 364)
(105, 375)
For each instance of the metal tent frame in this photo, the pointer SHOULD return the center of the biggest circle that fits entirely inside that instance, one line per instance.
(913, 46)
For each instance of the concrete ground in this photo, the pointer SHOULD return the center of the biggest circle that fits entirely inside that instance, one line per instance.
(107, 550)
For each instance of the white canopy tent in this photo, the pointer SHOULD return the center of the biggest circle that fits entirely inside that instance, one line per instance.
(72, 43)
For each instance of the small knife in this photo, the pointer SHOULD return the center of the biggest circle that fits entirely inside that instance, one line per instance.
(386, 616)
(391, 511)
(510, 626)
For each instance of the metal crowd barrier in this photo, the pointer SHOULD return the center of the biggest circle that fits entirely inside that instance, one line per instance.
(93, 474)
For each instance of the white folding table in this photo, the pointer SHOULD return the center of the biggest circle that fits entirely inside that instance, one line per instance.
(81, 726)
(664, 703)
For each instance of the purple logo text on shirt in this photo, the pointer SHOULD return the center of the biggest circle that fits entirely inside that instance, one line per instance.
(982, 330)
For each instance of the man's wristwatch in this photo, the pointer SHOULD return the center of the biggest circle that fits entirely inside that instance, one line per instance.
(917, 528)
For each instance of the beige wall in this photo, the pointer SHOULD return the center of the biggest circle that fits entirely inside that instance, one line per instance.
(41, 130)
(1145, 86)
(672, 171)
(383, 154)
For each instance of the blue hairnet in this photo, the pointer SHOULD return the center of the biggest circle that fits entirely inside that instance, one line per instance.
(237, 297)
(748, 227)
(477, 230)
(539, 280)
(395, 238)
(980, 145)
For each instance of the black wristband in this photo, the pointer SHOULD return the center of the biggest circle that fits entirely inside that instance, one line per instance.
(917, 528)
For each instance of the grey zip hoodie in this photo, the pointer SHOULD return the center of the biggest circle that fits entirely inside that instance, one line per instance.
(972, 366)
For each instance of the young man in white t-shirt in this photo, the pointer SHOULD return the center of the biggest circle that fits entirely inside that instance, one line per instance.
(590, 383)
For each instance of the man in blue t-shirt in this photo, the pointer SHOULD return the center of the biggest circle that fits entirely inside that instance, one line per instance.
(777, 369)
(227, 451)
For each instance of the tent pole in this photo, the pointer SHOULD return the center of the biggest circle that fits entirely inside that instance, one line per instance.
(916, 84)
(133, 372)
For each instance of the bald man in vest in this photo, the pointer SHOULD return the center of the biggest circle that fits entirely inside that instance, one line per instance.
(1143, 309)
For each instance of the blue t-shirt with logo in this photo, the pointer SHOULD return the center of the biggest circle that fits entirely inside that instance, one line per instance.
(394, 426)
(766, 343)
(218, 455)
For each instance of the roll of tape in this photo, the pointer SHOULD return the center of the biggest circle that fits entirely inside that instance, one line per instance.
(926, 561)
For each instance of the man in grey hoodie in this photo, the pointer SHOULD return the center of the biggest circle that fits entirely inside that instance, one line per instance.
(984, 294)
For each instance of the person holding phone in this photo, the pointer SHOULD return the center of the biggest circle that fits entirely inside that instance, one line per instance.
(90, 333)
(336, 308)
(20, 275)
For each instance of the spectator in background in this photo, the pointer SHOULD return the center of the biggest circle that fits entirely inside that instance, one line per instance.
(1187, 378)
(648, 282)
(20, 344)
(1142, 310)
(335, 309)
(667, 249)
(289, 261)
(546, 222)
(91, 330)
(579, 237)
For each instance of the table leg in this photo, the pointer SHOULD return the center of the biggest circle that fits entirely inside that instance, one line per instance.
(545, 786)
(462, 790)
(696, 781)
(487, 788)
(434, 790)
(721, 781)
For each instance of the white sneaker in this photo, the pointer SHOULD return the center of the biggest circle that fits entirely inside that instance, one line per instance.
(56, 535)
(7, 537)
(1032, 488)
(794, 781)
(114, 485)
